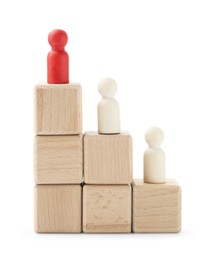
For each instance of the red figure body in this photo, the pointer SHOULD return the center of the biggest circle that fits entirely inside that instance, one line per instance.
(58, 60)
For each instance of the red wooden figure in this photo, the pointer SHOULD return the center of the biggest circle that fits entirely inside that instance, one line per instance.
(58, 60)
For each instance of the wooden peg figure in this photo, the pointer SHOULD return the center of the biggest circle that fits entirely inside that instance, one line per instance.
(154, 157)
(108, 108)
(58, 60)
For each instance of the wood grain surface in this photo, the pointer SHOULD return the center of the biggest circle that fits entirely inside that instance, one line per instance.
(58, 159)
(58, 109)
(58, 208)
(107, 158)
(156, 207)
(107, 208)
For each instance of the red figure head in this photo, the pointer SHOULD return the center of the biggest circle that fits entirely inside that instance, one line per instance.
(58, 60)
(57, 39)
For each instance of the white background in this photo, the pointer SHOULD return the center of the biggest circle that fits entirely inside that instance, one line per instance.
(161, 53)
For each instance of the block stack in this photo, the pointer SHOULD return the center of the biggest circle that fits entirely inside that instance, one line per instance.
(107, 191)
(156, 200)
(105, 199)
(58, 163)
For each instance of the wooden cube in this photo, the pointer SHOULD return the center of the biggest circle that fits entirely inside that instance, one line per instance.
(58, 208)
(58, 109)
(107, 158)
(58, 159)
(156, 207)
(107, 208)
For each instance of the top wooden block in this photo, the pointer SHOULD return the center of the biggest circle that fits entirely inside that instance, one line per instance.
(58, 109)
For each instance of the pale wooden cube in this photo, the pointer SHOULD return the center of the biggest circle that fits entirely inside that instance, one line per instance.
(58, 109)
(58, 208)
(156, 207)
(107, 208)
(58, 159)
(107, 158)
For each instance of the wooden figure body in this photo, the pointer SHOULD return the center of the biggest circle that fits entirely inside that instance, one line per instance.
(154, 157)
(108, 108)
(58, 60)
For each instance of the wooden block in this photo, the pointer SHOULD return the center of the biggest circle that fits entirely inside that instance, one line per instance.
(156, 207)
(58, 109)
(107, 208)
(58, 208)
(58, 159)
(107, 158)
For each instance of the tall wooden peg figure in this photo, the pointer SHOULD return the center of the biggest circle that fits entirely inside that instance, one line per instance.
(154, 157)
(58, 60)
(108, 108)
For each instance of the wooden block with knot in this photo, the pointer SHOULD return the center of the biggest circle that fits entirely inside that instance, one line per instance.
(58, 109)
(107, 158)
(107, 208)
(58, 159)
(58, 208)
(156, 207)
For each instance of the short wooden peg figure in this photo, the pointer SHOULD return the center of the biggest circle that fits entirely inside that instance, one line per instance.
(58, 60)
(154, 157)
(108, 108)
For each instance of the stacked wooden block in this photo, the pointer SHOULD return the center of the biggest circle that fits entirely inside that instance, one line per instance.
(58, 158)
(156, 207)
